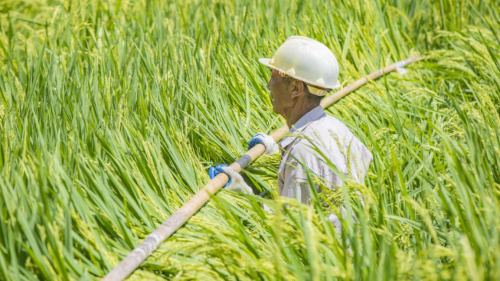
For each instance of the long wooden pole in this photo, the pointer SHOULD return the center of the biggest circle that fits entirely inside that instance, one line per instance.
(167, 228)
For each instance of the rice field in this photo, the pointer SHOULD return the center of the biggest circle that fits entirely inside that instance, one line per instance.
(112, 111)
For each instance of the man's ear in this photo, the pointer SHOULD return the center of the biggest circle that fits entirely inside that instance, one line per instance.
(298, 88)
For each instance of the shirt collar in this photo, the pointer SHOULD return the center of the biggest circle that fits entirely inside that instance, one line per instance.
(313, 115)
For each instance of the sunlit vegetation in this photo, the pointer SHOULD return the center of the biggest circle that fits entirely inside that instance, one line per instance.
(112, 111)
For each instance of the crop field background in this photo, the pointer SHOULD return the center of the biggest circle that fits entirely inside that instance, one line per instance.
(112, 111)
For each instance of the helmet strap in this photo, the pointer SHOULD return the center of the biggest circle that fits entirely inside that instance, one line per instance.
(313, 90)
(316, 91)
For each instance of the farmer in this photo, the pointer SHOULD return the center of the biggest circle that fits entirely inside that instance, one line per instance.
(302, 71)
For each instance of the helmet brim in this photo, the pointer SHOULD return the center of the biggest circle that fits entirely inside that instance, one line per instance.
(266, 62)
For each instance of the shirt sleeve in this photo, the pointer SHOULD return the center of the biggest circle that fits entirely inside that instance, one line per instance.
(359, 159)
(295, 183)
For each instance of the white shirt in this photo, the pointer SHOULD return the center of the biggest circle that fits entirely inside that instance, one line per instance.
(317, 130)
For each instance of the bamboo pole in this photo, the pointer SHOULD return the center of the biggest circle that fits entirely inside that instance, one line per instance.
(169, 226)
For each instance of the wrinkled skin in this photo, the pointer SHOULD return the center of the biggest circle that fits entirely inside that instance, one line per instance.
(280, 91)
(289, 97)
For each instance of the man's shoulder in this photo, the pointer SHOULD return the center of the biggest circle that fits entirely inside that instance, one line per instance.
(330, 123)
(322, 136)
(328, 128)
(326, 135)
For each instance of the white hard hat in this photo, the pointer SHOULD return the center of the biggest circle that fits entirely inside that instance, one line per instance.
(307, 60)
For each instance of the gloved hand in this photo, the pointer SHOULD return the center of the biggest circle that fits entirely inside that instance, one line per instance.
(235, 183)
(267, 141)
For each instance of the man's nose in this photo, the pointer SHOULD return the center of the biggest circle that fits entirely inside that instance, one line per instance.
(269, 85)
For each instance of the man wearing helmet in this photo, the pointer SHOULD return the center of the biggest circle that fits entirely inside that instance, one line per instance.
(302, 71)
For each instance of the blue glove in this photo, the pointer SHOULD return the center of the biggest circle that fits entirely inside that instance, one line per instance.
(267, 141)
(255, 141)
(214, 171)
(235, 183)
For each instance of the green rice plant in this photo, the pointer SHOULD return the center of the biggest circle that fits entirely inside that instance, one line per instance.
(111, 112)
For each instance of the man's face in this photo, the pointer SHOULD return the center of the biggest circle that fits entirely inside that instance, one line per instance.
(280, 90)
